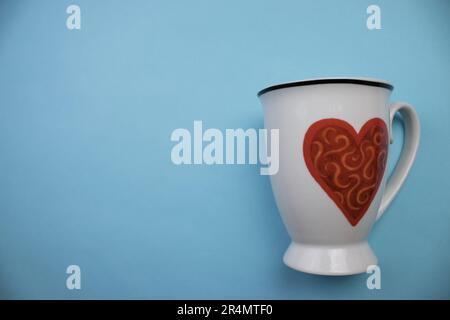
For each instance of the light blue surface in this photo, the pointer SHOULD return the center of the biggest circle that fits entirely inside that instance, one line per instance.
(85, 123)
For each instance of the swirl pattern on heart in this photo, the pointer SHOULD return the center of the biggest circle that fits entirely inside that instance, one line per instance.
(347, 165)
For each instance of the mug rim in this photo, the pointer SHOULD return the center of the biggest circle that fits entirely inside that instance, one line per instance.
(359, 80)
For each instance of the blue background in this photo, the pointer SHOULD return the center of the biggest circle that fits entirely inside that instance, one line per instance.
(85, 121)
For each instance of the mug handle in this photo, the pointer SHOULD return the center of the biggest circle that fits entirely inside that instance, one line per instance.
(408, 154)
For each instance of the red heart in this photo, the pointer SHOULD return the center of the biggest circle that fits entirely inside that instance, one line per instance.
(347, 165)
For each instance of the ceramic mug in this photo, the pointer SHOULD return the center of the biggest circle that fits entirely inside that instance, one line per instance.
(331, 186)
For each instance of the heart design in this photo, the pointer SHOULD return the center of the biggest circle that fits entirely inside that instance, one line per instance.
(348, 166)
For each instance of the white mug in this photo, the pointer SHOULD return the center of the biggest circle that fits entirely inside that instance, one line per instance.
(331, 186)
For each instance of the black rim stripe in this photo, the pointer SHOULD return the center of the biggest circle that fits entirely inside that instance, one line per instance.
(322, 81)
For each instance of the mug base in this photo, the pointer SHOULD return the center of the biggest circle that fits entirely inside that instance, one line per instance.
(330, 260)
